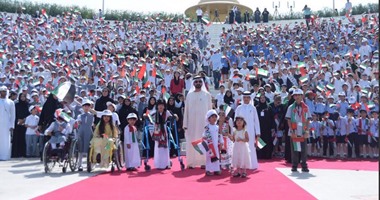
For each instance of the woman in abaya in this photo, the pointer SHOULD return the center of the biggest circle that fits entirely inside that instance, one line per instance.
(124, 111)
(18, 141)
(267, 127)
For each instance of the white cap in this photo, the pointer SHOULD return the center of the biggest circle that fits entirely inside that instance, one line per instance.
(132, 116)
(31, 108)
(297, 91)
(106, 113)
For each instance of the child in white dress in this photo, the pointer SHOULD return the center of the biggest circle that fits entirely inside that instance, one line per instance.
(213, 139)
(131, 145)
(241, 159)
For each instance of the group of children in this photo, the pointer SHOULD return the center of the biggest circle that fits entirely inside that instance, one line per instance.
(339, 137)
(227, 147)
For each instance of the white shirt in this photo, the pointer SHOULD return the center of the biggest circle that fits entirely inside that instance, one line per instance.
(31, 120)
(199, 12)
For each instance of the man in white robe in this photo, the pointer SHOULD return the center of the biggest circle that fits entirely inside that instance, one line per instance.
(198, 102)
(249, 112)
(8, 117)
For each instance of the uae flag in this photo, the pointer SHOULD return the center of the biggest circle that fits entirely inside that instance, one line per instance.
(320, 88)
(363, 67)
(261, 72)
(228, 110)
(260, 143)
(297, 146)
(304, 79)
(330, 86)
(200, 146)
(206, 21)
(63, 115)
(65, 92)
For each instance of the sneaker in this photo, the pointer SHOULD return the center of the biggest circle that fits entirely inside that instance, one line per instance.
(236, 175)
(243, 175)
(209, 173)
(218, 173)
(305, 169)
(294, 169)
(80, 169)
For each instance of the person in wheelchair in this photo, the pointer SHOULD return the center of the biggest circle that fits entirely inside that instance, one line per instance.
(103, 140)
(58, 130)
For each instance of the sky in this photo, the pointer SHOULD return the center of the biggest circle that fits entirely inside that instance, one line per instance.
(179, 6)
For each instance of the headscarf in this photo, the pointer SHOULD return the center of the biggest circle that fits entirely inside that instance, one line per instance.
(22, 108)
(228, 99)
(192, 89)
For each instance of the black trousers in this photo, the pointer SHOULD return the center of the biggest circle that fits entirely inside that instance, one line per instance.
(327, 142)
(288, 155)
(355, 142)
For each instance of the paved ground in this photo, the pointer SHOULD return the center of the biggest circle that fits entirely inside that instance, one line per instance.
(25, 179)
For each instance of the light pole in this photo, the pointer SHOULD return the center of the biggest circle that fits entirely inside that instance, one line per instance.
(333, 5)
(103, 7)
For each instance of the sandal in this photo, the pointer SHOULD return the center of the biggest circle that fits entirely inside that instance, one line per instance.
(243, 175)
(209, 173)
(236, 175)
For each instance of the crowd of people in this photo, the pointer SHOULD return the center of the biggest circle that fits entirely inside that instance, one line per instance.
(262, 73)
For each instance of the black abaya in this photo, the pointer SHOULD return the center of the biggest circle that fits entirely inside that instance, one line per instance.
(18, 140)
(267, 124)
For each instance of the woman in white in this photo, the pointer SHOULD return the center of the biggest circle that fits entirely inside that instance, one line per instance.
(131, 145)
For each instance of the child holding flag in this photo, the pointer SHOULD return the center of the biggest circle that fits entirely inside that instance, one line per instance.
(131, 146)
(341, 133)
(213, 140)
(315, 136)
(374, 132)
(298, 117)
(241, 159)
(328, 134)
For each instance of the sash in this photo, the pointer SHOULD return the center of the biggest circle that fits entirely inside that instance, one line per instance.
(132, 130)
(293, 80)
(211, 148)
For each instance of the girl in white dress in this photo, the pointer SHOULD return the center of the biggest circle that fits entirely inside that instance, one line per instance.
(241, 159)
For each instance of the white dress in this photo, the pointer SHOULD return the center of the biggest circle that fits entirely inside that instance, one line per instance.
(249, 112)
(161, 155)
(7, 113)
(213, 133)
(132, 155)
(241, 157)
(196, 106)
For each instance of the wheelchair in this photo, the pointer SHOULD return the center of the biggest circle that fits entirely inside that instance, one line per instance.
(69, 155)
(116, 157)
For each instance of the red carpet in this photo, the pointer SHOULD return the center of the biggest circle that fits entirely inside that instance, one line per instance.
(265, 183)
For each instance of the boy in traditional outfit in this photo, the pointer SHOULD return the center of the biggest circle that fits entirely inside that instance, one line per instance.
(131, 146)
(298, 117)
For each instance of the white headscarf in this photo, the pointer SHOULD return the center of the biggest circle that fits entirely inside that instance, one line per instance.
(192, 89)
(210, 113)
(4, 88)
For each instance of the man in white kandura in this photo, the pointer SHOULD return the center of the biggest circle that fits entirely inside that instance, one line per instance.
(7, 123)
(198, 102)
(249, 112)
